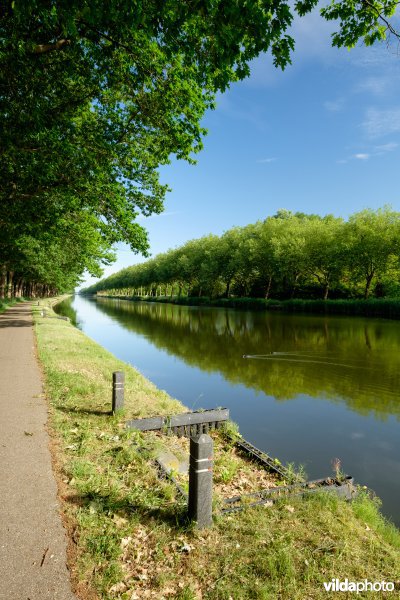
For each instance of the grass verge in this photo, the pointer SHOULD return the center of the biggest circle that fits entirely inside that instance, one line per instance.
(128, 535)
(6, 302)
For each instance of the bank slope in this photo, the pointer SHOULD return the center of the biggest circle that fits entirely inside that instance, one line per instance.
(128, 536)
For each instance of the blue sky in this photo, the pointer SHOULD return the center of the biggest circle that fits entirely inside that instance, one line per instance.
(323, 136)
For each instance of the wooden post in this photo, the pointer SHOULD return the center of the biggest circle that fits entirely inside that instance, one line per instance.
(118, 391)
(200, 480)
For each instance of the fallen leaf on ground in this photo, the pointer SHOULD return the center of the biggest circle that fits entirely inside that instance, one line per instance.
(117, 588)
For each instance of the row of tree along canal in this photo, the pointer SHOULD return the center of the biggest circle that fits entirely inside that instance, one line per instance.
(86, 122)
(285, 256)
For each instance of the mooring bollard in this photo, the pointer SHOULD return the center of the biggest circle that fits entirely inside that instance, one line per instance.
(200, 480)
(118, 391)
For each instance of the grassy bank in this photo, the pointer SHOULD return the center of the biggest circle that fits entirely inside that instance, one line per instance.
(128, 535)
(388, 308)
(6, 302)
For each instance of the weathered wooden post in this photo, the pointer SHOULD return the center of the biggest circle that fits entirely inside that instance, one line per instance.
(200, 480)
(118, 391)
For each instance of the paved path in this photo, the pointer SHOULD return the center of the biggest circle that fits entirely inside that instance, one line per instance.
(32, 539)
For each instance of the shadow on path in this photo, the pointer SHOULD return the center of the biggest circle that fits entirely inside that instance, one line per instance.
(31, 528)
(4, 323)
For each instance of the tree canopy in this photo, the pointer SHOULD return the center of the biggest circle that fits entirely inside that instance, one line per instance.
(95, 96)
(285, 255)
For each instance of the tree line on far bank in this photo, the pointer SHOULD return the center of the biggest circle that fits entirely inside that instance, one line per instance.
(287, 255)
(95, 97)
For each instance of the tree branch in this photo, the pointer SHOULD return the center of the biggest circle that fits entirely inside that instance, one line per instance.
(43, 48)
(383, 19)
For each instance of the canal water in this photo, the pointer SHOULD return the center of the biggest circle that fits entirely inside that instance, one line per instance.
(306, 389)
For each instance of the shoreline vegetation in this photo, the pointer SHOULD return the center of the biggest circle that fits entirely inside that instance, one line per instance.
(388, 308)
(128, 537)
(285, 257)
(6, 302)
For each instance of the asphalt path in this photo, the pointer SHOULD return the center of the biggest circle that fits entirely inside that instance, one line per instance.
(32, 538)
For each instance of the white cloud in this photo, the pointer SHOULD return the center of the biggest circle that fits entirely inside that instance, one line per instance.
(251, 111)
(379, 123)
(312, 35)
(313, 44)
(374, 151)
(378, 86)
(377, 56)
(266, 160)
(386, 147)
(334, 105)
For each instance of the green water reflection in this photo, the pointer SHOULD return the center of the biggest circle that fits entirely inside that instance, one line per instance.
(351, 360)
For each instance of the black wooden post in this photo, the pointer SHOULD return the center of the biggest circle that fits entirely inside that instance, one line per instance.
(118, 391)
(200, 480)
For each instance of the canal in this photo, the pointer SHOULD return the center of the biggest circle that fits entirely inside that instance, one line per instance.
(307, 389)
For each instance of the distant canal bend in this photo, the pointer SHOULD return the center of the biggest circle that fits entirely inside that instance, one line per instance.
(307, 389)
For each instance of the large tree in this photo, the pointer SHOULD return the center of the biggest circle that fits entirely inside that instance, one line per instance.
(95, 96)
(325, 252)
(373, 244)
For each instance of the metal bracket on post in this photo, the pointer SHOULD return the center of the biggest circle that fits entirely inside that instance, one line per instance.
(118, 391)
(200, 480)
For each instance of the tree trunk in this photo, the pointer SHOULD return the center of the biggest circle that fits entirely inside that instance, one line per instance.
(10, 277)
(3, 278)
(228, 287)
(16, 286)
(294, 286)
(326, 291)
(20, 288)
(268, 289)
(368, 285)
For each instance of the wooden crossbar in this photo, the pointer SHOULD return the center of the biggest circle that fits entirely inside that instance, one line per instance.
(182, 423)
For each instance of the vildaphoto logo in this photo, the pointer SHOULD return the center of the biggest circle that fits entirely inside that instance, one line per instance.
(335, 585)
